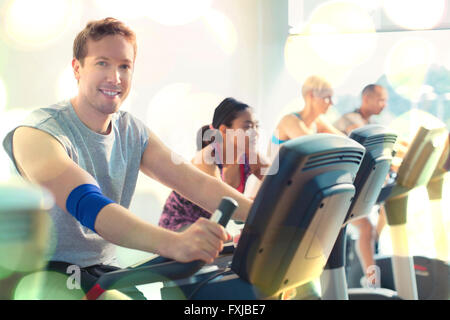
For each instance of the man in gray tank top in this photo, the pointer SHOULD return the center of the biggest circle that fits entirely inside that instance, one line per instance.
(88, 154)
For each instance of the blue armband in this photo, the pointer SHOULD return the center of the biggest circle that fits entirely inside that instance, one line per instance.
(85, 202)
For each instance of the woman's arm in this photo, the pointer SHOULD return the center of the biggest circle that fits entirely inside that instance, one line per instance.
(293, 128)
(204, 161)
(323, 125)
(206, 191)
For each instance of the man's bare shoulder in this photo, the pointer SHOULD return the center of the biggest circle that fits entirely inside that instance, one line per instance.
(34, 148)
(25, 136)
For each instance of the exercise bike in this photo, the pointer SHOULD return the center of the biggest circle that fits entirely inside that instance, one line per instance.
(432, 275)
(287, 237)
(416, 170)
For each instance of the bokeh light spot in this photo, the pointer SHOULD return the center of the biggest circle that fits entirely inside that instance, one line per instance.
(338, 37)
(176, 12)
(301, 61)
(407, 64)
(34, 24)
(3, 96)
(415, 14)
(407, 124)
(47, 285)
(67, 84)
(179, 104)
(342, 33)
(167, 12)
(223, 30)
(116, 8)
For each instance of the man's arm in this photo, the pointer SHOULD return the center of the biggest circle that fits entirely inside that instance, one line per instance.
(159, 163)
(42, 160)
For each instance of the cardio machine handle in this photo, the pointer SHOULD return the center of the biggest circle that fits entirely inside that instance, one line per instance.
(159, 268)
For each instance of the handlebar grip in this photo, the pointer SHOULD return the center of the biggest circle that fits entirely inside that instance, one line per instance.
(222, 215)
(225, 210)
(160, 268)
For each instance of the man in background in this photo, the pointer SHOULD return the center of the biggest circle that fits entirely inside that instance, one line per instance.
(373, 101)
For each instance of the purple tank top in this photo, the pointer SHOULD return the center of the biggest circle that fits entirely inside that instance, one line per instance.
(179, 211)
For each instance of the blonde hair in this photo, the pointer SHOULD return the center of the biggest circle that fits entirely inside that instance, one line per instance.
(316, 84)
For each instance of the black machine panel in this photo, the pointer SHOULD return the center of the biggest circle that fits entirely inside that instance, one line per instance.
(422, 157)
(298, 212)
(379, 143)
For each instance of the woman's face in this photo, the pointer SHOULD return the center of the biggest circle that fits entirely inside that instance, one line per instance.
(322, 100)
(244, 133)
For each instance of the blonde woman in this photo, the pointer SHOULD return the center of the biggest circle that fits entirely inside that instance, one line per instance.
(317, 94)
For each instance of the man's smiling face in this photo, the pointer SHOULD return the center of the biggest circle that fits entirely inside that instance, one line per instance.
(104, 76)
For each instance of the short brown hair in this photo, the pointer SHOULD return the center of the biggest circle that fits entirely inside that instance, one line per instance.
(97, 30)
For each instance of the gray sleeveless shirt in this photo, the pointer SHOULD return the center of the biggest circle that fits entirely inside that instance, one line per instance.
(113, 160)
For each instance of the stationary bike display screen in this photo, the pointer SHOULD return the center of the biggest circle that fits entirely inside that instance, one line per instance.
(298, 212)
(421, 158)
